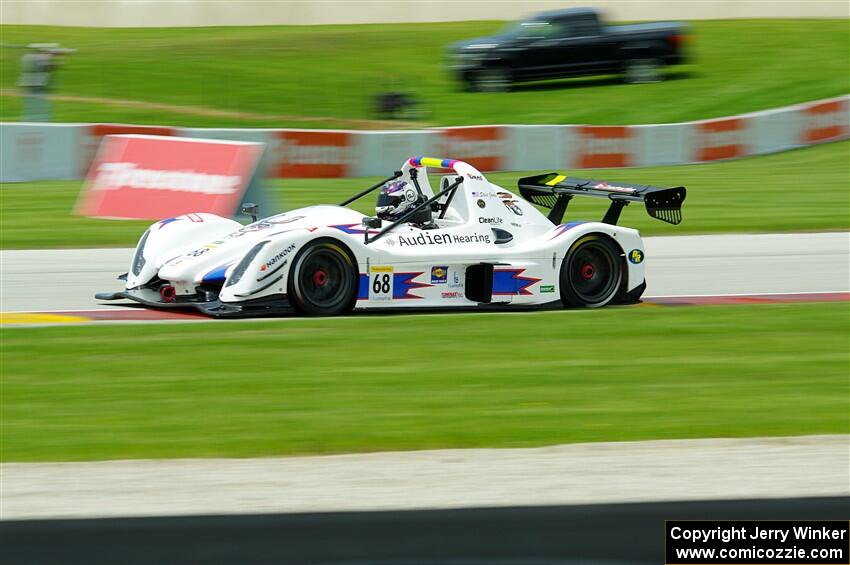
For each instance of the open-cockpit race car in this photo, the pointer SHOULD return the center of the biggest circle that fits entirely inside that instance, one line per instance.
(468, 245)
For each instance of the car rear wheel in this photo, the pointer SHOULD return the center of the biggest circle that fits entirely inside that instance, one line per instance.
(591, 272)
(641, 71)
(323, 279)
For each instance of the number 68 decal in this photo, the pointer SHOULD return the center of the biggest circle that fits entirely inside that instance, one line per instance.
(381, 282)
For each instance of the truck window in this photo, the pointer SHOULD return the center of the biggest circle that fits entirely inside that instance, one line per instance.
(535, 29)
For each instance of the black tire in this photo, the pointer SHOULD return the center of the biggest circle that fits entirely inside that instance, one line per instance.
(642, 71)
(591, 273)
(323, 280)
(492, 79)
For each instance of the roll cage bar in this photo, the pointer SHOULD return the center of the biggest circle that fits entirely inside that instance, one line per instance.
(376, 222)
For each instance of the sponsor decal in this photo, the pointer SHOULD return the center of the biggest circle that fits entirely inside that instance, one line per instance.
(505, 195)
(547, 288)
(493, 221)
(481, 203)
(313, 154)
(115, 176)
(439, 275)
(390, 241)
(451, 295)
(442, 239)
(271, 262)
(474, 177)
(486, 194)
(516, 225)
(635, 256)
(513, 206)
(204, 249)
(610, 188)
(455, 280)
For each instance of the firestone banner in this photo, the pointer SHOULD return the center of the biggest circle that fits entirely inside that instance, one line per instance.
(153, 177)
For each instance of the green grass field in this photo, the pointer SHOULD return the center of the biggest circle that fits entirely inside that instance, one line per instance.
(368, 383)
(801, 190)
(329, 73)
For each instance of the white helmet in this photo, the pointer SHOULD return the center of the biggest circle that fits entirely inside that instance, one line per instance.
(398, 197)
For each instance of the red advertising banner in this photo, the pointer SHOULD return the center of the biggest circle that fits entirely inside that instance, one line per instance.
(483, 147)
(720, 139)
(605, 146)
(313, 154)
(96, 133)
(825, 121)
(152, 177)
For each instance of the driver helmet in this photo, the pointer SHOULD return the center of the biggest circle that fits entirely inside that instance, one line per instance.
(397, 198)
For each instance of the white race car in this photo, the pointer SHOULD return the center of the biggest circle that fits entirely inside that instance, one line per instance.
(470, 245)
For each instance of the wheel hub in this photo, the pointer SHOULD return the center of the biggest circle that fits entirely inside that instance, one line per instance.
(320, 277)
(587, 271)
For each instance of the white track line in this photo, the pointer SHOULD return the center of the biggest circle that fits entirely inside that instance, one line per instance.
(591, 473)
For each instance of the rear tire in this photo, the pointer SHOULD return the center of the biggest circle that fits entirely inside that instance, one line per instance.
(323, 280)
(591, 273)
(642, 71)
(492, 79)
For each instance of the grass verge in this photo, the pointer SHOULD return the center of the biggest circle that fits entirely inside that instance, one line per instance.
(333, 72)
(369, 383)
(801, 190)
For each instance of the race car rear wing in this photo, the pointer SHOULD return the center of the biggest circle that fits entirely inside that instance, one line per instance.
(555, 191)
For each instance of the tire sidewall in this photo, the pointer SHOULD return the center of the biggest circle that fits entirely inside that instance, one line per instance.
(296, 296)
(569, 297)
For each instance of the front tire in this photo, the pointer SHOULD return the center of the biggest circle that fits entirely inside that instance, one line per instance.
(323, 280)
(591, 273)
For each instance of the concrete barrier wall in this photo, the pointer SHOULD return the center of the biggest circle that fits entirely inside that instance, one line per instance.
(167, 13)
(65, 151)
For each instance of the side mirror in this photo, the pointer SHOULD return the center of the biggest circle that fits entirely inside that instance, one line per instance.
(250, 209)
(370, 224)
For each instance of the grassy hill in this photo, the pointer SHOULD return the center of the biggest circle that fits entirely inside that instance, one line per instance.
(326, 76)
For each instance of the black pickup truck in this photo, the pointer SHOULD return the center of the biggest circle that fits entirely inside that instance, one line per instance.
(567, 43)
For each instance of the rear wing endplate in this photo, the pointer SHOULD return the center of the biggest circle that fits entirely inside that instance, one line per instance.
(555, 191)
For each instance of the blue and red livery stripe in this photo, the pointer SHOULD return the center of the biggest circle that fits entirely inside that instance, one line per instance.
(511, 282)
(564, 228)
(352, 229)
(403, 283)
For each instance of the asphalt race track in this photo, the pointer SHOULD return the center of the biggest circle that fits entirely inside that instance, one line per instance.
(607, 534)
(66, 280)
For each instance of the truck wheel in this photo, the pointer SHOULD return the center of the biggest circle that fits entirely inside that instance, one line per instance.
(642, 71)
(591, 272)
(494, 79)
(323, 279)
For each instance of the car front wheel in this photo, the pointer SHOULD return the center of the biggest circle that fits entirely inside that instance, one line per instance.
(323, 280)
